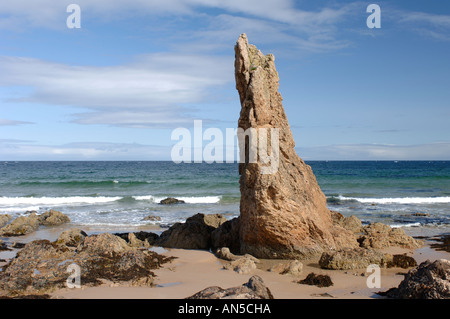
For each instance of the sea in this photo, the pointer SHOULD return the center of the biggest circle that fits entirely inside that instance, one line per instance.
(414, 195)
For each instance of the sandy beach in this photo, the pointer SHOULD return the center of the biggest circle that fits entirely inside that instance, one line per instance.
(195, 270)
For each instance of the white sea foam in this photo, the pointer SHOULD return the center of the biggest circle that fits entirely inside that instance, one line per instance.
(406, 225)
(189, 200)
(15, 201)
(19, 209)
(400, 200)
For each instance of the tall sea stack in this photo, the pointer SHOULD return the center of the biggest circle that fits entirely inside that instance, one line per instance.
(283, 214)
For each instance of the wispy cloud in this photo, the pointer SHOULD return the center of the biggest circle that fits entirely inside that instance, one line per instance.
(436, 26)
(5, 122)
(149, 91)
(315, 30)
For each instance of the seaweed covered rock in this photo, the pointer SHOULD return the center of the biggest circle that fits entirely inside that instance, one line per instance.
(317, 280)
(430, 280)
(42, 265)
(72, 237)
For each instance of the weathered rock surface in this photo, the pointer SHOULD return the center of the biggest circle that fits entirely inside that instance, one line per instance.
(253, 289)
(357, 258)
(351, 223)
(53, 218)
(4, 219)
(430, 280)
(293, 267)
(139, 239)
(378, 236)
(195, 233)
(242, 265)
(282, 214)
(24, 225)
(225, 254)
(42, 265)
(72, 237)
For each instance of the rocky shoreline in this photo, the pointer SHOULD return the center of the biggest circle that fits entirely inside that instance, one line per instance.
(40, 266)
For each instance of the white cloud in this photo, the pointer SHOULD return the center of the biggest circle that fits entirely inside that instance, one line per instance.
(149, 91)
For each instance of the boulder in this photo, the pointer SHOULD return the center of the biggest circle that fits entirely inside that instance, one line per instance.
(351, 223)
(72, 237)
(358, 258)
(225, 254)
(53, 218)
(22, 225)
(227, 235)
(242, 265)
(293, 267)
(171, 201)
(29, 223)
(195, 233)
(253, 289)
(283, 212)
(104, 244)
(430, 280)
(133, 241)
(4, 219)
(379, 236)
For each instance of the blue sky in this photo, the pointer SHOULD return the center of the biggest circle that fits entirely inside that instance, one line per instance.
(116, 88)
